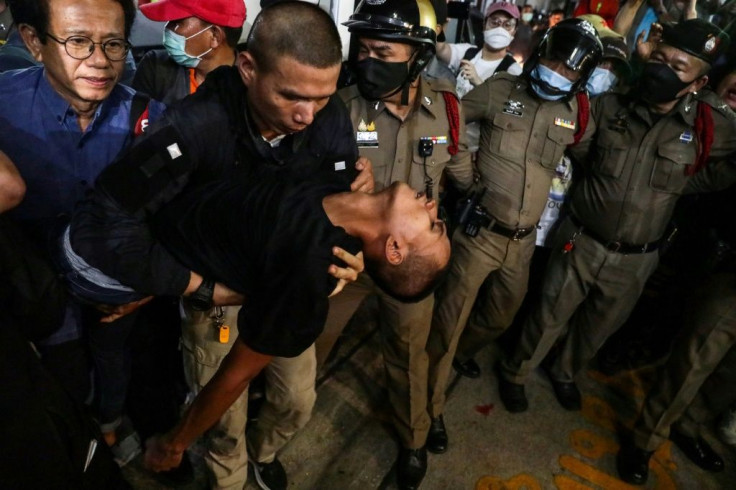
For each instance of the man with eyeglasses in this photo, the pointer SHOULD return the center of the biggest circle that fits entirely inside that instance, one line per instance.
(472, 65)
(62, 123)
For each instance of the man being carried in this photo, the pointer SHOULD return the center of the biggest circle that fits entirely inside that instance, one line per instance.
(270, 239)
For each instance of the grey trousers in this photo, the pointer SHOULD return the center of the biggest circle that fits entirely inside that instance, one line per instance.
(404, 328)
(590, 291)
(485, 286)
(698, 381)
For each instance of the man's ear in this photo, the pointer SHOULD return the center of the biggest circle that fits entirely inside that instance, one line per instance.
(246, 67)
(699, 83)
(31, 40)
(394, 251)
(218, 37)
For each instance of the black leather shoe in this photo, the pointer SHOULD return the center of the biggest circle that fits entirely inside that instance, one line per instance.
(437, 437)
(698, 451)
(469, 368)
(568, 395)
(411, 467)
(632, 464)
(512, 395)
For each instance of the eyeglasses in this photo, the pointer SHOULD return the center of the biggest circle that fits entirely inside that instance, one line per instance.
(82, 47)
(500, 22)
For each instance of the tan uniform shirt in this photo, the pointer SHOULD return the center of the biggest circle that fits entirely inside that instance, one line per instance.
(522, 139)
(635, 169)
(392, 145)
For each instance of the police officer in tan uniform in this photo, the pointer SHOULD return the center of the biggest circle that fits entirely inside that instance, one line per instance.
(412, 131)
(527, 122)
(650, 147)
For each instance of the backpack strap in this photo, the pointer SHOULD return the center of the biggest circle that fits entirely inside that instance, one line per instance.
(139, 113)
(470, 53)
(704, 129)
(506, 62)
(583, 116)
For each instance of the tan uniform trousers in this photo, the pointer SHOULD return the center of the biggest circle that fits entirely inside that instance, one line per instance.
(290, 396)
(699, 354)
(489, 271)
(404, 328)
(599, 287)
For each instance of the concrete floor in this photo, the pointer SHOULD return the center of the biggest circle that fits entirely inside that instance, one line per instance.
(349, 443)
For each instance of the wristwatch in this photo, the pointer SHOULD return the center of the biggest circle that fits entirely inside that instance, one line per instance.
(201, 299)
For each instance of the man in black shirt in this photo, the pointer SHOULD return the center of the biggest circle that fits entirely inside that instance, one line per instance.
(271, 242)
(275, 109)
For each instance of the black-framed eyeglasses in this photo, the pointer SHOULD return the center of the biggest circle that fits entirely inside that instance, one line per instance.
(82, 47)
(509, 24)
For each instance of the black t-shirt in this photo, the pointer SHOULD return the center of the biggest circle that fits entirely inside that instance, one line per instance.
(268, 237)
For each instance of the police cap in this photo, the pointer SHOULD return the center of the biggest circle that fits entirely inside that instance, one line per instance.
(696, 37)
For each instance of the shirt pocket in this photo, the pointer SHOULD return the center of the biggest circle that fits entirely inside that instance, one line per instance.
(436, 163)
(610, 157)
(557, 140)
(670, 166)
(508, 136)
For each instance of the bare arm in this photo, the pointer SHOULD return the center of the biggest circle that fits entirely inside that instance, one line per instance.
(444, 53)
(12, 187)
(237, 369)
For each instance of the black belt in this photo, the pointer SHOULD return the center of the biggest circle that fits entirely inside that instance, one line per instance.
(615, 246)
(514, 234)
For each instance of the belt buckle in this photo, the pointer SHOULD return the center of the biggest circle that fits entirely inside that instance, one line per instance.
(614, 246)
(517, 235)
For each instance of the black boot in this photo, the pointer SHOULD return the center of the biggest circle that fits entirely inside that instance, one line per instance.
(632, 464)
(411, 468)
(437, 438)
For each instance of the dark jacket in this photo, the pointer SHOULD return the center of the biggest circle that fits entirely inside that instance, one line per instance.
(207, 136)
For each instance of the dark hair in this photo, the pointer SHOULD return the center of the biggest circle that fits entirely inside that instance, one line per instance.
(35, 13)
(299, 30)
(232, 35)
(413, 280)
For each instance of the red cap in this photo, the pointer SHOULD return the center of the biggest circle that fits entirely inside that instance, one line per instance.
(507, 7)
(226, 13)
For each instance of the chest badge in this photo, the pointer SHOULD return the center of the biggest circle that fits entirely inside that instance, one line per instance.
(513, 107)
(686, 137)
(565, 123)
(366, 136)
(427, 100)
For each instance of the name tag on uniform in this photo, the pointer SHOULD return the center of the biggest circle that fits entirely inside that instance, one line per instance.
(564, 123)
(366, 136)
(686, 137)
(513, 107)
(367, 139)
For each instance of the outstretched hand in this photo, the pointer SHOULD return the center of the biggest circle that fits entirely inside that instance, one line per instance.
(644, 48)
(355, 266)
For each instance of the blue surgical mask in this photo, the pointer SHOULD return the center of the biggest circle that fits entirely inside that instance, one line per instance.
(175, 45)
(601, 81)
(552, 78)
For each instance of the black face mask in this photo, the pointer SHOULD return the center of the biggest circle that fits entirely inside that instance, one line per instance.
(659, 83)
(378, 78)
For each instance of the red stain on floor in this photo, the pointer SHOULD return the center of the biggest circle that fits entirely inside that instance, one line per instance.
(484, 409)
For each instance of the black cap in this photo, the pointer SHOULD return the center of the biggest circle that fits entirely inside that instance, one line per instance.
(698, 38)
(615, 48)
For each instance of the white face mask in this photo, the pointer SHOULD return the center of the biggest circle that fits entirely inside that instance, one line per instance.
(497, 38)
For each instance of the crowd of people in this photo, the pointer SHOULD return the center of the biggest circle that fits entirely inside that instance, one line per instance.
(240, 199)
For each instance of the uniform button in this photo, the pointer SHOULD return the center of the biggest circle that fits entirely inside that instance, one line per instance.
(528, 186)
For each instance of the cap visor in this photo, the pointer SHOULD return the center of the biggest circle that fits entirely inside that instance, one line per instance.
(164, 11)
